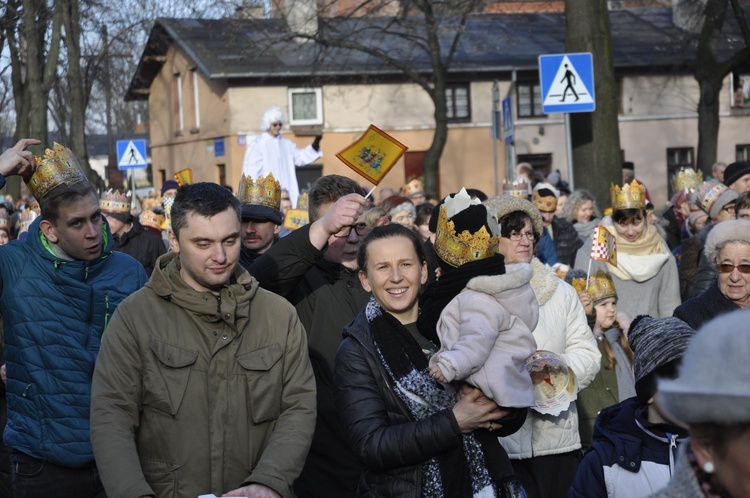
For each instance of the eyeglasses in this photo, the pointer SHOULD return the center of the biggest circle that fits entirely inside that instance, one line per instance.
(727, 268)
(360, 229)
(515, 237)
(275, 124)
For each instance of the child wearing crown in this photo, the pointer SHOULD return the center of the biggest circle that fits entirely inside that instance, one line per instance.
(485, 328)
(614, 382)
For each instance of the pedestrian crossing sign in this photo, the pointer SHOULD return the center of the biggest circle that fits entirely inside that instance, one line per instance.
(567, 83)
(131, 154)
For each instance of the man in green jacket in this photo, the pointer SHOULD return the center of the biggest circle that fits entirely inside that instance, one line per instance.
(203, 383)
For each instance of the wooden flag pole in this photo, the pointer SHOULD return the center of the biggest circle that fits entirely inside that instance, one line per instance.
(588, 274)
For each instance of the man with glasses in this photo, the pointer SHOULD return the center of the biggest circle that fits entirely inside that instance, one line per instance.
(315, 268)
(271, 153)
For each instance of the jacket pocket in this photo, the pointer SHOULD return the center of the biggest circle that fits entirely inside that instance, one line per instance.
(161, 477)
(264, 376)
(165, 386)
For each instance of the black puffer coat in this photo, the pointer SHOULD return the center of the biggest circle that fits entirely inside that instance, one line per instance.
(567, 241)
(381, 430)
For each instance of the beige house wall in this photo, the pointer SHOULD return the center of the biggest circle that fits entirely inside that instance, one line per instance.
(657, 113)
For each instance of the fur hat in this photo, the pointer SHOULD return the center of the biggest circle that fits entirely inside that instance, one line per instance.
(656, 342)
(735, 171)
(712, 196)
(501, 205)
(712, 385)
(726, 231)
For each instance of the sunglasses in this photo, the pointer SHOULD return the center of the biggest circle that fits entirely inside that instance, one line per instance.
(727, 268)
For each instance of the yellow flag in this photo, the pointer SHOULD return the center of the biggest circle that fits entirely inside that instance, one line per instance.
(373, 155)
(604, 247)
(296, 218)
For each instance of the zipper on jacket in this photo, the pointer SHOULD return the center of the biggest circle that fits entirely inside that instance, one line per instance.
(672, 449)
(86, 273)
(106, 313)
(218, 304)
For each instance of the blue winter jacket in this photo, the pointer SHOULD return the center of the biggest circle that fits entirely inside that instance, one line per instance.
(55, 313)
(630, 457)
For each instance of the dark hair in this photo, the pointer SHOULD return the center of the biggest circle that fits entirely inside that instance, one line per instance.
(64, 194)
(514, 222)
(386, 232)
(330, 188)
(424, 212)
(627, 216)
(646, 386)
(206, 199)
(741, 202)
(477, 194)
(717, 436)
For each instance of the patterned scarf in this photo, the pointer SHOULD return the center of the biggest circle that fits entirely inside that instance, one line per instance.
(467, 470)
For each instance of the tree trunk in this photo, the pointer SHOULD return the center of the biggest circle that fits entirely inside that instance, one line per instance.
(432, 155)
(71, 21)
(596, 136)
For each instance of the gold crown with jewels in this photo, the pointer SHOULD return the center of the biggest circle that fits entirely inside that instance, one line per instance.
(266, 191)
(114, 201)
(184, 177)
(631, 196)
(457, 249)
(601, 286)
(58, 167)
(686, 178)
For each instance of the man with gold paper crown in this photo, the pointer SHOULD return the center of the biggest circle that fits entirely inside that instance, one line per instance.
(261, 216)
(271, 153)
(58, 290)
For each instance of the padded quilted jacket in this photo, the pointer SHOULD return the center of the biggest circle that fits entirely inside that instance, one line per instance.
(55, 313)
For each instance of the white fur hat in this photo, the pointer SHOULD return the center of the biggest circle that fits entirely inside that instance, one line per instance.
(273, 114)
(726, 231)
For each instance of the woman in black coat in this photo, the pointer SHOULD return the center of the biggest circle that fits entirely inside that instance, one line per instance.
(414, 437)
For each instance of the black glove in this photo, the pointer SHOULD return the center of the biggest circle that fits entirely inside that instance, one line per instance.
(316, 143)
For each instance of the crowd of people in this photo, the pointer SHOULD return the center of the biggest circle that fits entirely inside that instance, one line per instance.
(200, 343)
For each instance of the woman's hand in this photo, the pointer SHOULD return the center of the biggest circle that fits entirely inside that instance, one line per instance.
(474, 410)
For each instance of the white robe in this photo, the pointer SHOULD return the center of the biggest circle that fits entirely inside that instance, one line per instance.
(268, 154)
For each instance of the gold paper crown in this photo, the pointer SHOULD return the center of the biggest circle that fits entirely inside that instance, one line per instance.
(518, 188)
(184, 177)
(303, 201)
(149, 203)
(27, 217)
(686, 178)
(631, 196)
(579, 284)
(547, 204)
(458, 249)
(113, 201)
(413, 187)
(59, 167)
(601, 286)
(264, 192)
(153, 220)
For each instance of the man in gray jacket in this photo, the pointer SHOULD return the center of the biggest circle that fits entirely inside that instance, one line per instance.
(203, 383)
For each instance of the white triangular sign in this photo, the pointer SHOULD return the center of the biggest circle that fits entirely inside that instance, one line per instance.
(567, 88)
(131, 156)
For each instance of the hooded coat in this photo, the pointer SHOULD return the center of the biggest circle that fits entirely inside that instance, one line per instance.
(55, 312)
(215, 394)
(485, 336)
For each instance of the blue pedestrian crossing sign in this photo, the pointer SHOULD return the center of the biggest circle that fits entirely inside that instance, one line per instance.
(567, 82)
(131, 154)
(508, 120)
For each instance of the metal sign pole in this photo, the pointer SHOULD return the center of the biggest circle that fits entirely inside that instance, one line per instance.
(495, 131)
(569, 151)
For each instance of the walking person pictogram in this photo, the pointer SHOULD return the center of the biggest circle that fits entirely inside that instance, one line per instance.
(132, 159)
(570, 80)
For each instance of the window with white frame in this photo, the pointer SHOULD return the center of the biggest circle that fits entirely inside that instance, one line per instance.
(458, 104)
(305, 106)
(196, 102)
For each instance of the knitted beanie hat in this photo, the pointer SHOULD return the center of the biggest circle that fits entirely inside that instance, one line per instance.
(712, 384)
(735, 171)
(656, 342)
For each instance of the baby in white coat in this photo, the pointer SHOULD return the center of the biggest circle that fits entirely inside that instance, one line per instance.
(485, 330)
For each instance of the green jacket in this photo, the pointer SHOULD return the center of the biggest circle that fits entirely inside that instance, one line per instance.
(601, 393)
(195, 394)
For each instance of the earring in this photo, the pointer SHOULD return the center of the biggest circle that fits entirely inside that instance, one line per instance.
(708, 467)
